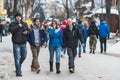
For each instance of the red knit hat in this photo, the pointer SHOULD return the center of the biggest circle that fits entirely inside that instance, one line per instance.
(64, 22)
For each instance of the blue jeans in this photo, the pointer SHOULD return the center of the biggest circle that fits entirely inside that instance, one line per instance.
(84, 47)
(80, 47)
(58, 51)
(20, 53)
(0, 37)
(71, 55)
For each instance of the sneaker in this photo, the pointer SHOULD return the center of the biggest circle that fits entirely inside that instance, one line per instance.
(38, 71)
(90, 51)
(79, 55)
(58, 72)
(84, 51)
(101, 51)
(71, 70)
(19, 75)
(93, 52)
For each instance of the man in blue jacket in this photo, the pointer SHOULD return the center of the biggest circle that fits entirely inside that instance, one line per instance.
(104, 33)
(35, 39)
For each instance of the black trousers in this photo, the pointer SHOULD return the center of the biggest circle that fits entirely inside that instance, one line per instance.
(103, 44)
(71, 54)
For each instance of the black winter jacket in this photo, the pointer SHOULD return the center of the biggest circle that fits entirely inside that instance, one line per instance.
(17, 32)
(70, 38)
(93, 30)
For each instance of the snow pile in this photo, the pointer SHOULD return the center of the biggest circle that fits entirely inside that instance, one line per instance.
(88, 5)
(112, 35)
(114, 49)
(100, 10)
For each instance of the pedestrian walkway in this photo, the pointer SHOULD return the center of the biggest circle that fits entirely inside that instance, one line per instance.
(88, 67)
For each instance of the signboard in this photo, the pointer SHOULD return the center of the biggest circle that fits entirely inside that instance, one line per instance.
(1, 5)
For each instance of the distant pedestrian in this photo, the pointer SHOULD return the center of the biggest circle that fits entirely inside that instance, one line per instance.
(45, 27)
(19, 30)
(70, 38)
(104, 32)
(93, 35)
(63, 26)
(85, 35)
(80, 27)
(35, 38)
(1, 32)
(55, 44)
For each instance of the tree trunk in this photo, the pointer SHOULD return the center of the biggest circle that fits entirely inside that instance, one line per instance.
(119, 13)
(108, 12)
(15, 7)
(67, 9)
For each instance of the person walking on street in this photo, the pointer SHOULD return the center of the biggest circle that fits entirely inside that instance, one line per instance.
(70, 40)
(55, 44)
(85, 36)
(1, 32)
(93, 34)
(63, 26)
(19, 30)
(80, 27)
(104, 33)
(35, 39)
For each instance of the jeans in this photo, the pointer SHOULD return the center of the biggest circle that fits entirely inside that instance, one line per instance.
(84, 47)
(20, 53)
(103, 42)
(72, 54)
(0, 37)
(57, 50)
(79, 47)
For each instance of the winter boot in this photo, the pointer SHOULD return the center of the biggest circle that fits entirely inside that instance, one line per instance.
(51, 66)
(84, 51)
(90, 50)
(58, 68)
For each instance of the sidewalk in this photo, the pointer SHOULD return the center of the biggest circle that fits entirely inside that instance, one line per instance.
(6, 60)
(89, 67)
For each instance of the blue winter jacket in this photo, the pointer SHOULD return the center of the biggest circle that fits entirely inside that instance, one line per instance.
(103, 30)
(55, 38)
(85, 33)
(31, 37)
(80, 27)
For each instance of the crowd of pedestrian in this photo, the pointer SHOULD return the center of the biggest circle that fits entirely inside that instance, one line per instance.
(64, 38)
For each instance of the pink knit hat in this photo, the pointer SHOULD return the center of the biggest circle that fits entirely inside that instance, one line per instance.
(64, 22)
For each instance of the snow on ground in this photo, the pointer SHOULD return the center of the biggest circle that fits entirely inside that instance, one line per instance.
(114, 49)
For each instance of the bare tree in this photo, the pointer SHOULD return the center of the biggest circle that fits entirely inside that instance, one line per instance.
(108, 11)
(66, 4)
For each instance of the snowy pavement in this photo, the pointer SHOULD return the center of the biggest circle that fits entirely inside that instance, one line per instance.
(89, 67)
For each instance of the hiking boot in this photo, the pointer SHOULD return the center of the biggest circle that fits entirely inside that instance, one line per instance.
(38, 71)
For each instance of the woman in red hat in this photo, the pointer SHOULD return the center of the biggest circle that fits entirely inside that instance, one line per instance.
(63, 26)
